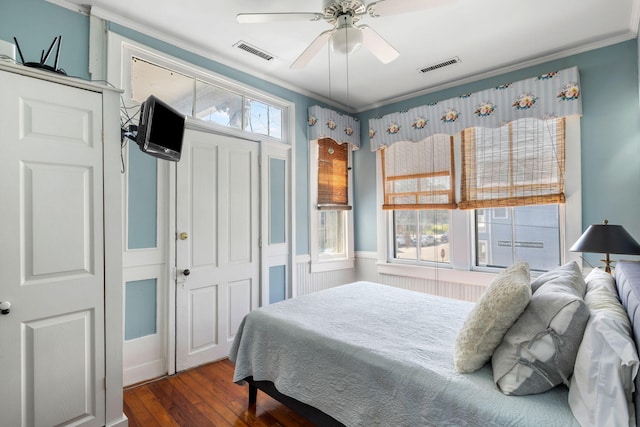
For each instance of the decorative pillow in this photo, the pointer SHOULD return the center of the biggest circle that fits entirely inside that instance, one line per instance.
(607, 362)
(538, 352)
(569, 273)
(494, 313)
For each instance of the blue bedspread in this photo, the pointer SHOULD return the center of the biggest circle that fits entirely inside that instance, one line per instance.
(374, 355)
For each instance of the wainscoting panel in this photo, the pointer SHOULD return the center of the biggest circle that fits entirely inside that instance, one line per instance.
(308, 282)
(366, 268)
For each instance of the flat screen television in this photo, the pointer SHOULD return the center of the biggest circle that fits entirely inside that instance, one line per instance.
(160, 130)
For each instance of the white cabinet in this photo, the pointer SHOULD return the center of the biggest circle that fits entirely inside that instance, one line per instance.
(60, 259)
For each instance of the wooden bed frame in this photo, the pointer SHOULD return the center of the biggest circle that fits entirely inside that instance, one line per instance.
(312, 414)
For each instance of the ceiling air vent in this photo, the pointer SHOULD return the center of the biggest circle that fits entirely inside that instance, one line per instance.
(442, 64)
(253, 50)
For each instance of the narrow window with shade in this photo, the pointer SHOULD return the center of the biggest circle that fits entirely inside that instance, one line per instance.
(332, 138)
(332, 198)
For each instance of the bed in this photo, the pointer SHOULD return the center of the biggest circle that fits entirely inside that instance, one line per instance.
(366, 354)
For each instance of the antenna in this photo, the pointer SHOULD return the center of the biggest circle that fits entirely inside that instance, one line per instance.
(44, 57)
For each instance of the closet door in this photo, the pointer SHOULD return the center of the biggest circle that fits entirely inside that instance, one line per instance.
(51, 254)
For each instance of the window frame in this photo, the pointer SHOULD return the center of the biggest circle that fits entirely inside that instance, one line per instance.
(323, 263)
(131, 49)
(461, 268)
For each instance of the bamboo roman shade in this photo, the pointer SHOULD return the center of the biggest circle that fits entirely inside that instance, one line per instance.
(333, 175)
(419, 175)
(513, 146)
(521, 163)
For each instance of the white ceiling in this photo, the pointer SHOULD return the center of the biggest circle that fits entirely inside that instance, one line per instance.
(489, 37)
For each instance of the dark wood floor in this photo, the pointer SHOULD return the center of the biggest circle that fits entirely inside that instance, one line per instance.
(204, 396)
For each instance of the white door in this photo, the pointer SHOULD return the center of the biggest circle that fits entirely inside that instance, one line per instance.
(51, 254)
(217, 224)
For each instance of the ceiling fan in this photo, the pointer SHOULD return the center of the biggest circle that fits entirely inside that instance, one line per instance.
(345, 36)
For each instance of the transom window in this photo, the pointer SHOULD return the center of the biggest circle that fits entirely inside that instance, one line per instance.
(205, 100)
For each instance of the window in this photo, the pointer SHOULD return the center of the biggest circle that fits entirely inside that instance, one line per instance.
(210, 101)
(217, 105)
(517, 171)
(515, 202)
(419, 189)
(529, 233)
(263, 119)
(421, 235)
(332, 233)
(333, 197)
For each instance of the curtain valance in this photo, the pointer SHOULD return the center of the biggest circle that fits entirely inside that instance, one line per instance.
(551, 95)
(326, 123)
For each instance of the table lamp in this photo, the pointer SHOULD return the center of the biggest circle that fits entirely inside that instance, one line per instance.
(605, 238)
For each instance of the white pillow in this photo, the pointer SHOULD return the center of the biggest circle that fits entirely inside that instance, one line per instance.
(568, 274)
(607, 362)
(494, 313)
(539, 351)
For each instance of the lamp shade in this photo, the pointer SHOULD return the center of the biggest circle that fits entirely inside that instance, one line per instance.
(605, 238)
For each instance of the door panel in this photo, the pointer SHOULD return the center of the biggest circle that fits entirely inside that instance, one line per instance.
(239, 305)
(74, 363)
(277, 223)
(217, 206)
(51, 254)
(51, 220)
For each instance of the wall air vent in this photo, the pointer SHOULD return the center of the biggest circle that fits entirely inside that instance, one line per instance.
(253, 50)
(439, 65)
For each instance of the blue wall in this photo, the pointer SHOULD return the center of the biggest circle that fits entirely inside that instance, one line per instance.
(610, 133)
(35, 23)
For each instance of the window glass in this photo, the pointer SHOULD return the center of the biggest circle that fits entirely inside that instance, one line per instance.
(204, 100)
(263, 119)
(421, 235)
(171, 87)
(523, 233)
(275, 122)
(218, 105)
(331, 234)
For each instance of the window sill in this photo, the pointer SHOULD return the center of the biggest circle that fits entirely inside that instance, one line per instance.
(445, 274)
(331, 265)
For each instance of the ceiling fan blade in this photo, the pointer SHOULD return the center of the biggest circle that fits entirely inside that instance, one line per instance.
(395, 7)
(380, 48)
(259, 18)
(313, 49)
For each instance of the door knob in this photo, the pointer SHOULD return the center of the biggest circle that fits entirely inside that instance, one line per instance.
(184, 236)
(4, 307)
(186, 272)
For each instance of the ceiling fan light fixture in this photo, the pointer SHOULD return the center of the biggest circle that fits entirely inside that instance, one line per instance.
(347, 38)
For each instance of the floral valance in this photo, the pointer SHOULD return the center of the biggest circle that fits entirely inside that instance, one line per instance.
(326, 123)
(551, 95)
